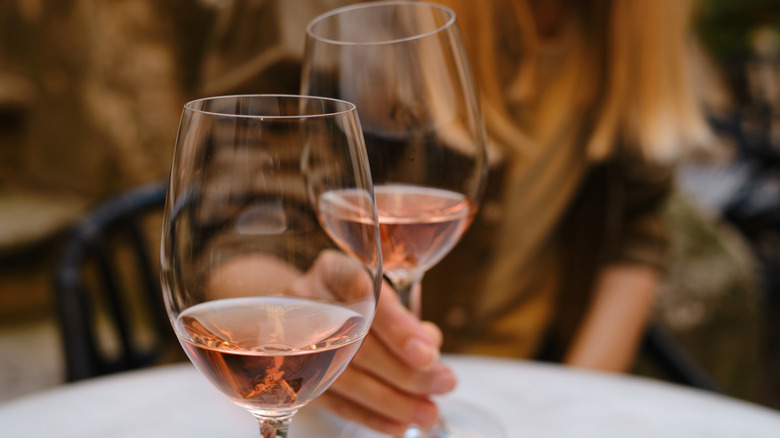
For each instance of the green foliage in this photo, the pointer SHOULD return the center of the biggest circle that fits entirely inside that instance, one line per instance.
(726, 26)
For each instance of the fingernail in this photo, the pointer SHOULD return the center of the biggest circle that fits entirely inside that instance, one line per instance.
(420, 354)
(443, 381)
(390, 427)
(425, 414)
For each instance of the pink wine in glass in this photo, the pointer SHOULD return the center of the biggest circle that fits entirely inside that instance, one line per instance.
(418, 225)
(270, 353)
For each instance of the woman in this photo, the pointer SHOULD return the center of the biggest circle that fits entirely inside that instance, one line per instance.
(586, 104)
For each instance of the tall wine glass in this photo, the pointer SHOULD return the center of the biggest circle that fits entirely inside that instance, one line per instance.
(404, 65)
(269, 299)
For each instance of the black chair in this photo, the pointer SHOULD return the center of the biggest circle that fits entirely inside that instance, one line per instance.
(107, 288)
(672, 361)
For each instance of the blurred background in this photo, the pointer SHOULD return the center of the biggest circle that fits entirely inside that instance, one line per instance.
(90, 98)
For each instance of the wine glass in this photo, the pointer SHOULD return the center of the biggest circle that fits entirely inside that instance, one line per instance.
(269, 297)
(404, 65)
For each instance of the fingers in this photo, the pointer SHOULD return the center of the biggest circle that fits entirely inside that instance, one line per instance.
(434, 332)
(336, 276)
(345, 277)
(402, 333)
(374, 359)
(373, 396)
(355, 413)
(387, 385)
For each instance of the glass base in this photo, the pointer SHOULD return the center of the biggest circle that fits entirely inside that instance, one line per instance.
(460, 420)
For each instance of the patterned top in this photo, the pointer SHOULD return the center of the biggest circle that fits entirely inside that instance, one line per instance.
(523, 271)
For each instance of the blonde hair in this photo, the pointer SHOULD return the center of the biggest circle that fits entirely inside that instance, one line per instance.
(636, 72)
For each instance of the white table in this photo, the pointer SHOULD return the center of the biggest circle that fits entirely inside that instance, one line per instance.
(532, 400)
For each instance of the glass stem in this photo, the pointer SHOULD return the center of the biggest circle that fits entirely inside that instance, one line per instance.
(411, 297)
(274, 427)
(409, 292)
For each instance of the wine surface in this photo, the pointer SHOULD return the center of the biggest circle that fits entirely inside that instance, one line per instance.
(418, 225)
(270, 353)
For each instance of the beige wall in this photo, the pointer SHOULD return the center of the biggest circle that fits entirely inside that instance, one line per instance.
(100, 85)
(90, 97)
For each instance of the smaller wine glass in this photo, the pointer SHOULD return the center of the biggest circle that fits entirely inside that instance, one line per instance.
(404, 65)
(268, 302)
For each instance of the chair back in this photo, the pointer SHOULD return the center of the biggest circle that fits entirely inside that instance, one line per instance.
(107, 287)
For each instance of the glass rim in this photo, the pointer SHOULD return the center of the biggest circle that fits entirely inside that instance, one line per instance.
(350, 107)
(450, 21)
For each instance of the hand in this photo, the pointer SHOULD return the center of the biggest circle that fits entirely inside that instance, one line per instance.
(333, 276)
(388, 384)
